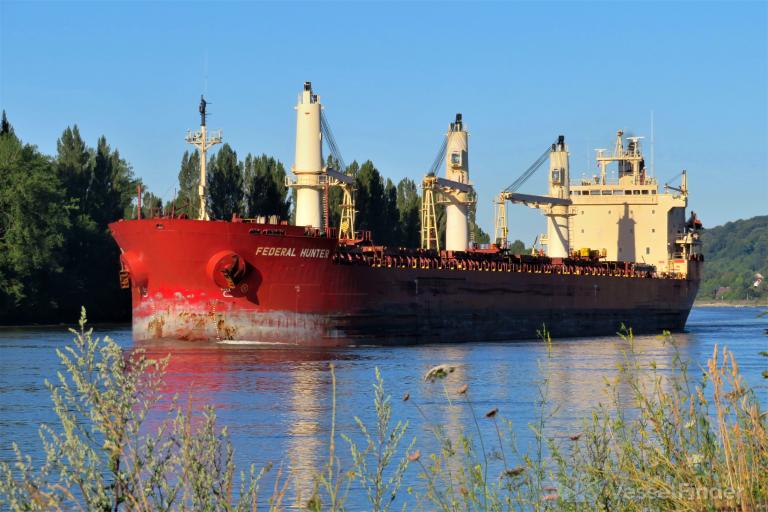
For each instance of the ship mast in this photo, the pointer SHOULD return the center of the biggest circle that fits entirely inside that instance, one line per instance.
(202, 141)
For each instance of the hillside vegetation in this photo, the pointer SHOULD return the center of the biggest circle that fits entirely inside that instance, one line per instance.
(734, 253)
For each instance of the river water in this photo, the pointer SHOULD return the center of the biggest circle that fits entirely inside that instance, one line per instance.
(277, 401)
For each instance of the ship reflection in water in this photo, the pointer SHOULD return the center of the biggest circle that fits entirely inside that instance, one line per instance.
(277, 401)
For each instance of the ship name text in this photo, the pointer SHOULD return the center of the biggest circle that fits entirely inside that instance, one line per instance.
(291, 252)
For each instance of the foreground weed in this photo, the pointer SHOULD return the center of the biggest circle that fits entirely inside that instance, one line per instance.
(372, 461)
(98, 456)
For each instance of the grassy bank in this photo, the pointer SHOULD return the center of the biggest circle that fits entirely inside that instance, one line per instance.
(690, 440)
(760, 303)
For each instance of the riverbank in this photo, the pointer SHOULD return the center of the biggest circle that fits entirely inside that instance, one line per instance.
(730, 304)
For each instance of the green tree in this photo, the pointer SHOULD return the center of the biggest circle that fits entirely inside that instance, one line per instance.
(112, 186)
(335, 196)
(5, 126)
(518, 247)
(265, 190)
(409, 210)
(391, 230)
(101, 186)
(151, 205)
(73, 164)
(188, 198)
(225, 184)
(370, 201)
(33, 218)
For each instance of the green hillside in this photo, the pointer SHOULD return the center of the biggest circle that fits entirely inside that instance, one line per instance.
(733, 254)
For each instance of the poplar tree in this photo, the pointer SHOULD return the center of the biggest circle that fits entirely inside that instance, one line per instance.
(370, 201)
(5, 126)
(409, 209)
(265, 190)
(101, 187)
(188, 198)
(73, 164)
(225, 185)
(391, 229)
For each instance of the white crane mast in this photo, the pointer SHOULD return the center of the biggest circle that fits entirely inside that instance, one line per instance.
(308, 164)
(457, 170)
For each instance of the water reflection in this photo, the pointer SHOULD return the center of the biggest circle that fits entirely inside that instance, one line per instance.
(277, 401)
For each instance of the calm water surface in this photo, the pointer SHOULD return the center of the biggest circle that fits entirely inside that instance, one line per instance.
(277, 402)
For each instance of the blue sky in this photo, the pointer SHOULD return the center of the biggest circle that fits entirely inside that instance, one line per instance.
(392, 75)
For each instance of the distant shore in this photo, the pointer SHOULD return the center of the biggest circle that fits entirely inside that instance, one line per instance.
(729, 304)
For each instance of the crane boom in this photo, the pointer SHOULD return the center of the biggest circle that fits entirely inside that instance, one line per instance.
(534, 200)
(519, 182)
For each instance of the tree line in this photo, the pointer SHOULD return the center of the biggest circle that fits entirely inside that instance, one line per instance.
(55, 250)
(255, 186)
(56, 253)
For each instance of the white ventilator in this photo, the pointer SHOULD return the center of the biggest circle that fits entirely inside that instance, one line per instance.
(308, 166)
(457, 170)
(558, 245)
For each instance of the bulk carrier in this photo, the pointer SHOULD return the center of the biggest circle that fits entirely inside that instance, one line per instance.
(619, 251)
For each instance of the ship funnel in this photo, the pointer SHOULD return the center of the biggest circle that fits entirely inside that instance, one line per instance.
(308, 165)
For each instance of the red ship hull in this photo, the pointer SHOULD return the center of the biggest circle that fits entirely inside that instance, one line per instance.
(292, 288)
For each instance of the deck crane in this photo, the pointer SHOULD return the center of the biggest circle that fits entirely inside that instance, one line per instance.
(556, 205)
(312, 177)
(454, 191)
(337, 178)
(683, 188)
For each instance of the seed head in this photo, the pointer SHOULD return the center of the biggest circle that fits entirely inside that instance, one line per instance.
(413, 457)
(463, 389)
(492, 412)
(438, 372)
(514, 471)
